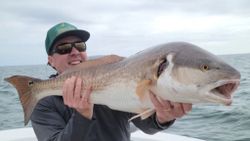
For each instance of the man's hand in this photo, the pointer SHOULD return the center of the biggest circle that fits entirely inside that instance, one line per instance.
(72, 96)
(167, 110)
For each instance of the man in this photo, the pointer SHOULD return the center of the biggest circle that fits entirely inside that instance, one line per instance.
(72, 117)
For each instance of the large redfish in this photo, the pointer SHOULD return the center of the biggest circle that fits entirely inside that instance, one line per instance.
(178, 71)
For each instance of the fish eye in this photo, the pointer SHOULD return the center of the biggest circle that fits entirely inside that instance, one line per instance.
(30, 83)
(204, 68)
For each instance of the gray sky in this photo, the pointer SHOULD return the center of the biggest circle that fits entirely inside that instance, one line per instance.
(123, 27)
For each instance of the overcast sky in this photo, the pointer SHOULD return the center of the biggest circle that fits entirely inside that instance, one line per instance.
(123, 27)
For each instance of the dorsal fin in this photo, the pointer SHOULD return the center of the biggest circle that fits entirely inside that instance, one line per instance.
(96, 62)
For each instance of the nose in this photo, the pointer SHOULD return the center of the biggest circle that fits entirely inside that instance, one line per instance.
(74, 51)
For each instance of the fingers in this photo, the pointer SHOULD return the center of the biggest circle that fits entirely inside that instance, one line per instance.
(64, 92)
(160, 104)
(154, 100)
(85, 100)
(177, 109)
(166, 105)
(76, 97)
(167, 110)
(72, 91)
(77, 92)
(187, 107)
(86, 108)
(68, 89)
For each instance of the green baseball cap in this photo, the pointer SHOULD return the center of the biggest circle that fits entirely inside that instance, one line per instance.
(62, 30)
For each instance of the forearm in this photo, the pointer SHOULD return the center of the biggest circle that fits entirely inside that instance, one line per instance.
(151, 125)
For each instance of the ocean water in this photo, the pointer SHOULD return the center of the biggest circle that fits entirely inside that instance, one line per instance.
(209, 122)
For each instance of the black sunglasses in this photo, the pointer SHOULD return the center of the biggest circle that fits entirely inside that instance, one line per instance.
(67, 48)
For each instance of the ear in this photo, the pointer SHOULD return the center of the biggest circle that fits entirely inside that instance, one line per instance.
(51, 61)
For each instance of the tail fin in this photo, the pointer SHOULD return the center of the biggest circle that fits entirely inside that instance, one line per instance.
(24, 84)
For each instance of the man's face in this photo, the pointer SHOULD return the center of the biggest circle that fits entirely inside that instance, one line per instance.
(61, 62)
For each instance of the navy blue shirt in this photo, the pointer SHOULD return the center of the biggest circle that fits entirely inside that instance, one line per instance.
(54, 121)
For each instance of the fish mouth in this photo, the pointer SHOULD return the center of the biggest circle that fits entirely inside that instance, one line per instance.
(224, 89)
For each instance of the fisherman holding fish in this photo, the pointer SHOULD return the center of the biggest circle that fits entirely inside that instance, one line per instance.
(97, 99)
(72, 117)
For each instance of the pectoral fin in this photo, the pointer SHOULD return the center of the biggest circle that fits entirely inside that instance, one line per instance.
(145, 114)
(142, 89)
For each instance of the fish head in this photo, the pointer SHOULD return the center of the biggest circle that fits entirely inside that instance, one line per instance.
(189, 74)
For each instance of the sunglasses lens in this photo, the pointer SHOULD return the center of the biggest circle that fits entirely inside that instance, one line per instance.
(67, 48)
(81, 46)
(63, 49)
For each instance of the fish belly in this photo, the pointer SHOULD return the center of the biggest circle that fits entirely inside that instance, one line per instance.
(119, 96)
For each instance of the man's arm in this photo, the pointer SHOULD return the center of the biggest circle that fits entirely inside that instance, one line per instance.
(151, 125)
(166, 113)
(50, 125)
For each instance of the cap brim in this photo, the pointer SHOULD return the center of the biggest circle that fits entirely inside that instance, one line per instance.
(84, 35)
